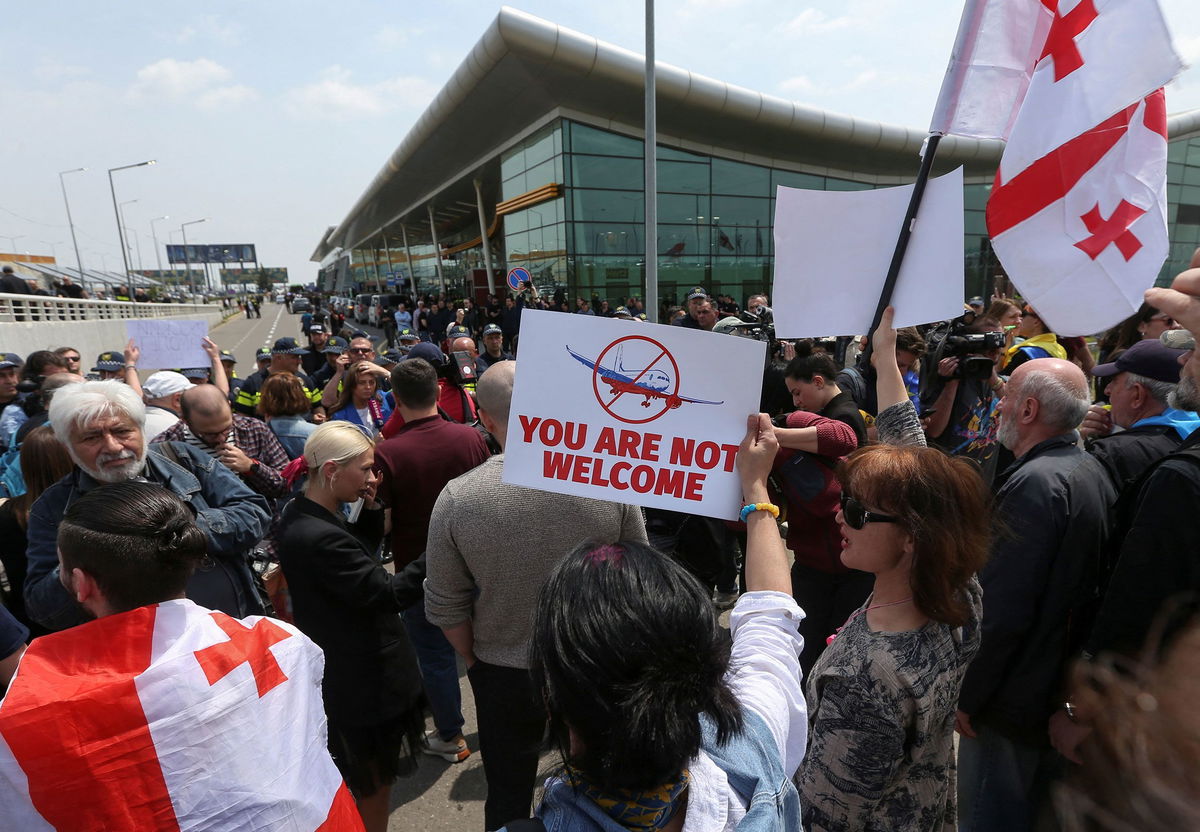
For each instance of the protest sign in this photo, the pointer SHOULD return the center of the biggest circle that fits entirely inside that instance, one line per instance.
(169, 344)
(634, 413)
(832, 250)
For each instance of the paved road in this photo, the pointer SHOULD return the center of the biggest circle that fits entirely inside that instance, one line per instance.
(439, 797)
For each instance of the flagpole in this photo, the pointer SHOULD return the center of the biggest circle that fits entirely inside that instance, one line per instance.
(906, 230)
(650, 151)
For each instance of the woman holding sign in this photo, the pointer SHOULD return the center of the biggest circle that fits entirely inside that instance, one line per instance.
(658, 717)
(882, 696)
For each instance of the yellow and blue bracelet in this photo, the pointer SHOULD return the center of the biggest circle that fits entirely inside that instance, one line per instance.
(750, 508)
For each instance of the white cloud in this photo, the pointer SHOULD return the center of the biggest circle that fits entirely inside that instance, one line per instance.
(49, 70)
(336, 95)
(170, 78)
(799, 85)
(815, 22)
(210, 27)
(391, 37)
(223, 98)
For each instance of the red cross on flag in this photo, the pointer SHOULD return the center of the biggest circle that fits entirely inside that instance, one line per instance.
(170, 717)
(1078, 210)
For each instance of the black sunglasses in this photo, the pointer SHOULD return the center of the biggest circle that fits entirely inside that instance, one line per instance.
(857, 515)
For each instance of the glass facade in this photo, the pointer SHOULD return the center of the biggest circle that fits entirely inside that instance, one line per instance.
(714, 220)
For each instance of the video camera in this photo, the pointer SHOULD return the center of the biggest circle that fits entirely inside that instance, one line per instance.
(970, 348)
(459, 369)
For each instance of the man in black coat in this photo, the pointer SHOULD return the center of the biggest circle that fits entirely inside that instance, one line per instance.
(1052, 512)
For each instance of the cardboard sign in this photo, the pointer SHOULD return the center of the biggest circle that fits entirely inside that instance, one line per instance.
(634, 413)
(169, 344)
(833, 248)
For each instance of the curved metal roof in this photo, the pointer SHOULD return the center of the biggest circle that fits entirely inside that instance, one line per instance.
(524, 68)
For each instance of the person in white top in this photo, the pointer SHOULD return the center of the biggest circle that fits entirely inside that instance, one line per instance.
(161, 392)
(662, 722)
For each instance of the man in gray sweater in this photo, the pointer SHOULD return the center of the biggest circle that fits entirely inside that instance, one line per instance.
(491, 547)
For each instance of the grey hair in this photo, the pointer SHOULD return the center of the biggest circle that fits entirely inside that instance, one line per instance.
(79, 404)
(1059, 406)
(494, 390)
(1160, 391)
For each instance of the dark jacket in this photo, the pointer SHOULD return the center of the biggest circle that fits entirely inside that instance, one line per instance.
(1127, 454)
(859, 382)
(1159, 552)
(232, 517)
(1052, 516)
(345, 601)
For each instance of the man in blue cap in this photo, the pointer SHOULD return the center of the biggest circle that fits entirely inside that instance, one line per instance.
(1139, 384)
(285, 358)
(334, 347)
(10, 371)
(110, 364)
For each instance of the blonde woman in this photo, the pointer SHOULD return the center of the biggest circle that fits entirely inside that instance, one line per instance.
(344, 600)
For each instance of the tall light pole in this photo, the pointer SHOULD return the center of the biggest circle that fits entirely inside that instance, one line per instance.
(125, 228)
(53, 249)
(117, 211)
(12, 241)
(157, 255)
(187, 256)
(70, 222)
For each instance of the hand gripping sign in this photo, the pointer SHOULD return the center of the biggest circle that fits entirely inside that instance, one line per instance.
(647, 415)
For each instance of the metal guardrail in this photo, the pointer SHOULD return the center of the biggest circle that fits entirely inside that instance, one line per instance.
(34, 308)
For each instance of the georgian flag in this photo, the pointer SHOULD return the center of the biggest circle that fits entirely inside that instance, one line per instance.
(1077, 213)
(170, 717)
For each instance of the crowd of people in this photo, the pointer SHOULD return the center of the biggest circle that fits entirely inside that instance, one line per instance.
(973, 527)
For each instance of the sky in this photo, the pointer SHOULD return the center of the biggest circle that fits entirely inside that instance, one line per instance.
(269, 119)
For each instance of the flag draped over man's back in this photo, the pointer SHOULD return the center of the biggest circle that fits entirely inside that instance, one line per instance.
(170, 717)
(1077, 213)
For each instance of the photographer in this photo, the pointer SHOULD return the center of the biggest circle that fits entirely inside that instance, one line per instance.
(455, 402)
(961, 389)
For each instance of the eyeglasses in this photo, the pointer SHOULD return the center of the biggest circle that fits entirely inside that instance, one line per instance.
(857, 516)
(74, 358)
(360, 350)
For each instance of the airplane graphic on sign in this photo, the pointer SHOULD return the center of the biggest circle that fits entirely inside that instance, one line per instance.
(654, 377)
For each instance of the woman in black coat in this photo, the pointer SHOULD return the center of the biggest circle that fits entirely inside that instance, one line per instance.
(346, 602)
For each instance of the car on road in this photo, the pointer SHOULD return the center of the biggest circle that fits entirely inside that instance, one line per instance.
(300, 305)
(362, 305)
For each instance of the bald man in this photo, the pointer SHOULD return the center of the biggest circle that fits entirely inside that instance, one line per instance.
(245, 446)
(467, 345)
(1052, 512)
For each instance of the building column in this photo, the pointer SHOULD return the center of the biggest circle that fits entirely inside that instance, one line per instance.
(412, 274)
(483, 235)
(437, 249)
(388, 250)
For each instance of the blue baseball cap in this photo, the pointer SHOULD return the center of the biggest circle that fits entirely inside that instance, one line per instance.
(10, 359)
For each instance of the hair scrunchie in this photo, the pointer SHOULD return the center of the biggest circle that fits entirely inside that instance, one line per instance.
(294, 470)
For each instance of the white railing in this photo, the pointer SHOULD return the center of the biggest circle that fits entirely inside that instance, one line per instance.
(30, 308)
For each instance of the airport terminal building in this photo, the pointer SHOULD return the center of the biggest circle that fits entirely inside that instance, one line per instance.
(531, 155)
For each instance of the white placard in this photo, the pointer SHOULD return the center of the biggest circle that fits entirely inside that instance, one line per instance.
(635, 413)
(169, 344)
(833, 248)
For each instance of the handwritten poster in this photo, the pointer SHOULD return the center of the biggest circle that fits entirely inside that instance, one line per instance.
(169, 344)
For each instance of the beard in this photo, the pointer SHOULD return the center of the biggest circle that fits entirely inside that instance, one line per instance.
(1186, 395)
(103, 472)
(1006, 433)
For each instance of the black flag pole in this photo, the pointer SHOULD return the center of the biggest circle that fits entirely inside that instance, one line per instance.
(906, 230)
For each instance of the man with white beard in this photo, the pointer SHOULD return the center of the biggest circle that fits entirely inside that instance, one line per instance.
(1051, 508)
(1158, 536)
(102, 423)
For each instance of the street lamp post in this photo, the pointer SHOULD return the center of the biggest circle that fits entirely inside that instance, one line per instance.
(117, 211)
(186, 256)
(70, 222)
(125, 229)
(157, 255)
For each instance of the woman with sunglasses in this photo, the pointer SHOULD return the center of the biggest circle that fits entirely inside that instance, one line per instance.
(883, 694)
